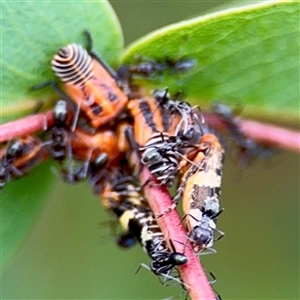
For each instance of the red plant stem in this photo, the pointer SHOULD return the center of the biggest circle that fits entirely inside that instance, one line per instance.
(272, 135)
(267, 134)
(26, 126)
(264, 133)
(192, 273)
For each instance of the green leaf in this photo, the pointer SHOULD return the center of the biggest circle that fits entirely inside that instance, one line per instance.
(247, 56)
(33, 31)
(21, 202)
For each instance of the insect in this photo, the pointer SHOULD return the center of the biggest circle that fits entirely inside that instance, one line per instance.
(200, 188)
(89, 131)
(124, 197)
(19, 157)
(161, 157)
(89, 82)
(155, 135)
(248, 148)
(151, 128)
(190, 126)
(148, 68)
(58, 138)
(92, 152)
(149, 118)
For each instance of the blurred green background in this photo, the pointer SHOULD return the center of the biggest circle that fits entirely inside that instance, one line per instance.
(69, 255)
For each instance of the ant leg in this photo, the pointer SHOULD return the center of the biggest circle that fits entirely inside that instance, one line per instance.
(221, 233)
(15, 171)
(176, 199)
(89, 48)
(132, 142)
(76, 117)
(129, 135)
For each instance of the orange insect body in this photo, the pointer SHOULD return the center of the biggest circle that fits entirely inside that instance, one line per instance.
(117, 187)
(20, 157)
(203, 178)
(110, 142)
(149, 118)
(123, 196)
(201, 187)
(89, 84)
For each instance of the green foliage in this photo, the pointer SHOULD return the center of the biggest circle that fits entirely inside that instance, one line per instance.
(21, 202)
(247, 56)
(32, 32)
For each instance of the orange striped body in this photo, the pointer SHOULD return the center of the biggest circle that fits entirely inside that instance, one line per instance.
(203, 178)
(113, 143)
(149, 118)
(20, 157)
(89, 84)
(201, 188)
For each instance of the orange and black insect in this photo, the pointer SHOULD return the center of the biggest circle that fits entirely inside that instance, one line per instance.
(190, 126)
(124, 197)
(89, 152)
(21, 156)
(149, 118)
(151, 127)
(155, 134)
(200, 189)
(89, 84)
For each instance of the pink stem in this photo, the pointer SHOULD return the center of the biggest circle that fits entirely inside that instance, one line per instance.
(191, 273)
(272, 135)
(268, 134)
(26, 126)
(265, 133)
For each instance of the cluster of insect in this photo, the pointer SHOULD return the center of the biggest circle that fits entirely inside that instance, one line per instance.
(105, 133)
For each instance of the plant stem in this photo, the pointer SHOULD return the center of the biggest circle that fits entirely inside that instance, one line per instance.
(26, 126)
(192, 273)
(267, 134)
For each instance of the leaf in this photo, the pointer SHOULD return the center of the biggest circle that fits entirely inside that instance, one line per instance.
(247, 57)
(33, 31)
(21, 202)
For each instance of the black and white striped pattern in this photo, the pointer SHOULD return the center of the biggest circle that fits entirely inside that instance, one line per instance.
(136, 217)
(73, 65)
(160, 155)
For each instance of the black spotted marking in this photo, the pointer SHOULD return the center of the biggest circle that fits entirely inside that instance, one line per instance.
(218, 171)
(200, 192)
(166, 121)
(147, 114)
(217, 191)
(96, 109)
(136, 225)
(112, 97)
